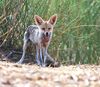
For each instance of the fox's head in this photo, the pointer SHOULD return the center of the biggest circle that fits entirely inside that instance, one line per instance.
(46, 26)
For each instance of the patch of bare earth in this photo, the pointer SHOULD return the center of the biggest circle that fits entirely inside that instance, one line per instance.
(15, 75)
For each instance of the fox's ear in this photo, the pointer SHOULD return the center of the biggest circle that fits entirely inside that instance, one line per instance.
(38, 20)
(53, 19)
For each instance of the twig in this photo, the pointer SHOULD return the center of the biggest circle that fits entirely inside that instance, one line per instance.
(8, 34)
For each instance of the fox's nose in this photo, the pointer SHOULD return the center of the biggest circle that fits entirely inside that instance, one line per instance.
(47, 34)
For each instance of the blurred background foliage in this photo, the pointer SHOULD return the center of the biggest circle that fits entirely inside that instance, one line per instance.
(76, 36)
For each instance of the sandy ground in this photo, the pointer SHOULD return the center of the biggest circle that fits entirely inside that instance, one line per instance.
(15, 75)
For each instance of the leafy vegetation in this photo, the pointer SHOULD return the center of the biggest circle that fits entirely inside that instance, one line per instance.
(76, 37)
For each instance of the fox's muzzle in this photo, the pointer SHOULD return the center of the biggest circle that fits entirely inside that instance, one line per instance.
(46, 36)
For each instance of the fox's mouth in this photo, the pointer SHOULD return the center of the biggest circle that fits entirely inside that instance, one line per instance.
(45, 38)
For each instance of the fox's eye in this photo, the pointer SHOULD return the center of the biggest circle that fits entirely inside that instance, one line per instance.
(43, 28)
(49, 28)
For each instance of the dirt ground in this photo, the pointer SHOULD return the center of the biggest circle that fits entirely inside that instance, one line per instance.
(16, 75)
(31, 75)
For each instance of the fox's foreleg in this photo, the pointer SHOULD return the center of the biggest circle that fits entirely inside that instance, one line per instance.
(39, 58)
(45, 56)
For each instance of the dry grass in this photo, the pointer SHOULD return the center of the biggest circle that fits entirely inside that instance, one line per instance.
(14, 75)
(76, 33)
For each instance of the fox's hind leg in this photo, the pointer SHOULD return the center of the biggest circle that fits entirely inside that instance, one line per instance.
(24, 48)
(24, 51)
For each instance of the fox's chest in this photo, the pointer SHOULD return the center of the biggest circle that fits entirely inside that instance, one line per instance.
(45, 41)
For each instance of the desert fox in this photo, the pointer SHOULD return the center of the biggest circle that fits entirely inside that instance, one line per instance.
(40, 35)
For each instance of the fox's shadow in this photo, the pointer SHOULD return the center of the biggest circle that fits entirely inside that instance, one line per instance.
(14, 56)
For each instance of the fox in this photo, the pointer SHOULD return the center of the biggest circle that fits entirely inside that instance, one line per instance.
(40, 34)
